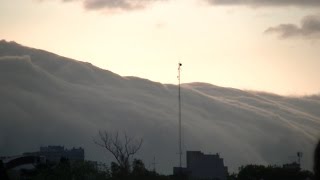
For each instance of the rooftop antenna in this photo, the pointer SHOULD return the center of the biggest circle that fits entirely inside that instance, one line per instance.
(180, 147)
(154, 163)
(299, 154)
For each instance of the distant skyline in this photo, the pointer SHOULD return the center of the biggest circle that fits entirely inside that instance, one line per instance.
(261, 45)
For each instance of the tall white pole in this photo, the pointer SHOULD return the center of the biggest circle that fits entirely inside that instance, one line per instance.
(180, 147)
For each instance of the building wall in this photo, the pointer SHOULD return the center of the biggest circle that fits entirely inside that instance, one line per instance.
(204, 166)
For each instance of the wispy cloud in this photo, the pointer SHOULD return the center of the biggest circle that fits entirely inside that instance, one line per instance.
(258, 3)
(310, 27)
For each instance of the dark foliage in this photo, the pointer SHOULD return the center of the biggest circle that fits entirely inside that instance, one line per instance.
(138, 172)
(257, 172)
(3, 173)
(66, 170)
(83, 170)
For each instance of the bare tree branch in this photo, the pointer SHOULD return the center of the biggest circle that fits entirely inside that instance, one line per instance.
(121, 150)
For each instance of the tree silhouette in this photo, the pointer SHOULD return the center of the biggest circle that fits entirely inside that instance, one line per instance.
(138, 168)
(122, 149)
(257, 172)
(3, 173)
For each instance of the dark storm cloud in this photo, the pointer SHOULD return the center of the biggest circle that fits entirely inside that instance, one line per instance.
(310, 27)
(138, 4)
(113, 4)
(311, 3)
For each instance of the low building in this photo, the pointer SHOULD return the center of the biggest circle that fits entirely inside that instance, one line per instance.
(206, 166)
(53, 154)
(203, 166)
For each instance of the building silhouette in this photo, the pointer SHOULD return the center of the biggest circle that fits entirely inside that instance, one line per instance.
(53, 154)
(203, 166)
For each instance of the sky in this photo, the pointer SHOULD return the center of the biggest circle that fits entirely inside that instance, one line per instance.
(262, 45)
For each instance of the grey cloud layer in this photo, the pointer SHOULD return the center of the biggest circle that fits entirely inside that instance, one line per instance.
(138, 4)
(310, 27)
(114, 4)
(266, 2)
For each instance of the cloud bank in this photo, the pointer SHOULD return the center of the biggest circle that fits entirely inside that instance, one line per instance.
(257, 3)
(52, 100)
(309, 28)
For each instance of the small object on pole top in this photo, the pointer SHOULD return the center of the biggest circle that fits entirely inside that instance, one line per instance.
(180, 64)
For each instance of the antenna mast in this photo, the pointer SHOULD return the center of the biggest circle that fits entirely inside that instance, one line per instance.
(180, 147)
(154, 163)
(299, 154)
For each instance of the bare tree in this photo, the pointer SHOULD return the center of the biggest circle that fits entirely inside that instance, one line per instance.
(121, 149)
